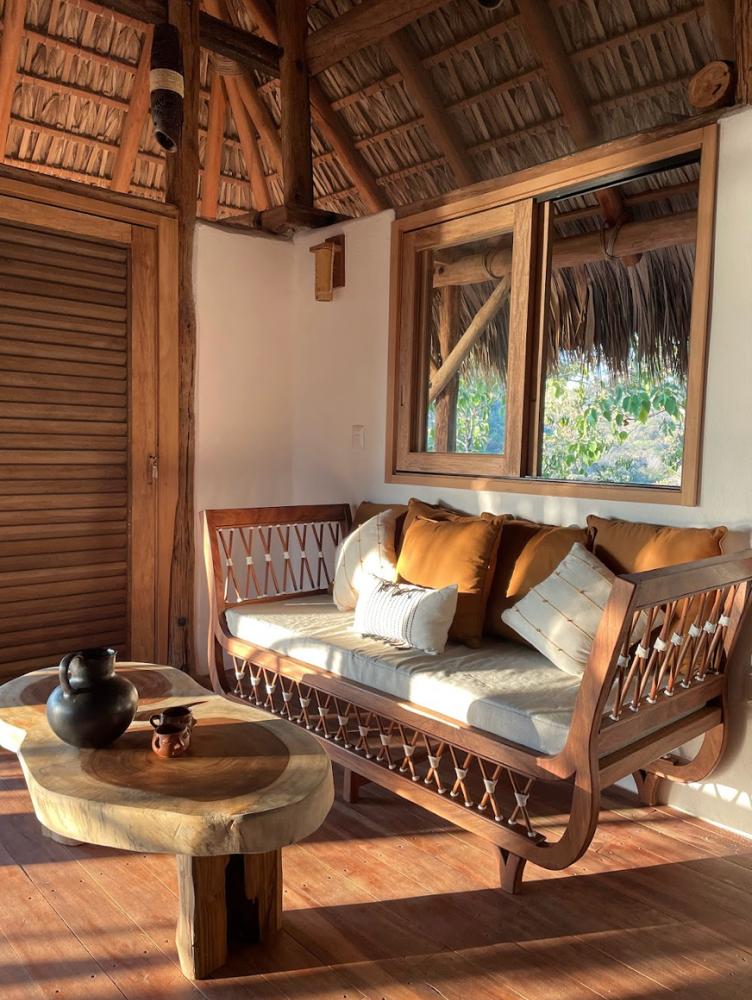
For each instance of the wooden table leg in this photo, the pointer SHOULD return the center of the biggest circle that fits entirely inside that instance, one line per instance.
(225, 901)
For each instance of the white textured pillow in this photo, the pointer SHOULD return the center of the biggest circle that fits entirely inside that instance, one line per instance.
(406, 615)
(560, 616)
(369, 549)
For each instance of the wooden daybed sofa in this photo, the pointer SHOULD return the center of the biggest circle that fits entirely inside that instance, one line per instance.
(456, 733)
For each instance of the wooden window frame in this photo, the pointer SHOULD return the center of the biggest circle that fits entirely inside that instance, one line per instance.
(539, 186)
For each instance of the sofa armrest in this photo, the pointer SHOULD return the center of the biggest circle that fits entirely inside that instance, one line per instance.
(675, 678)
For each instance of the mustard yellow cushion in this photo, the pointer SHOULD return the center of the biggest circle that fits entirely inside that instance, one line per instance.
(632, 547)
(368, 509)
(528, 554)
(461, 550)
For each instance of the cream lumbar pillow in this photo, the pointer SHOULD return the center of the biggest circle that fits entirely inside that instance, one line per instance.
(405, 615)
(369, 549)
(561, 615)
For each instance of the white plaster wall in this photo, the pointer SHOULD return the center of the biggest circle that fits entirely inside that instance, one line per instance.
(243, 292)
(340, 376)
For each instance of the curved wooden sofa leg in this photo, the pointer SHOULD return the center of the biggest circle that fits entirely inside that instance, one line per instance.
(511, 868)
(649, 787)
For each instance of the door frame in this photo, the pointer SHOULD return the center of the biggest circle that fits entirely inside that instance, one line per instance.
(151, 234)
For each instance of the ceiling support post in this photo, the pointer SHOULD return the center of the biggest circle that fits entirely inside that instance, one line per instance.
(182, 189)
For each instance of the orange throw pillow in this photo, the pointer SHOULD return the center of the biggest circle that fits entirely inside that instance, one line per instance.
(434, 512)
(461, 550)
(367, 509)
(632, 547)
(528, 554)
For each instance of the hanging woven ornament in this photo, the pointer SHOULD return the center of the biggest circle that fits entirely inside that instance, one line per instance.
(167, 86)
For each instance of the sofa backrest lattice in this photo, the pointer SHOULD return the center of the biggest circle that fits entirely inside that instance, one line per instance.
(669, 648)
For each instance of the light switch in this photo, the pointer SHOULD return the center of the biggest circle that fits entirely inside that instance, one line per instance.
(358, 436)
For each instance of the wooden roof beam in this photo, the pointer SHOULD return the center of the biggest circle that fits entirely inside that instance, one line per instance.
(213, 156)
(743, 46)
(215, 34)
(133, 123)
(545, 41)
(260, 198)
(367, 23)
(327, 120)
(295, 103)
(721, 17)
(445, 135)
(10, 49)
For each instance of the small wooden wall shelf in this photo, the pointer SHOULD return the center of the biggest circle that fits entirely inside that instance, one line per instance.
(330, 267)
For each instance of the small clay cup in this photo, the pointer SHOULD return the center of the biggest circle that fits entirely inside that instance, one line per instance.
(170, 740)
(178, 715)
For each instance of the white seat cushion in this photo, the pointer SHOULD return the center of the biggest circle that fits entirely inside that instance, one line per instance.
(503, 688)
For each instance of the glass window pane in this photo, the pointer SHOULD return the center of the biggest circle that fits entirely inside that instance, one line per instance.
(463, 363)
(617, 332)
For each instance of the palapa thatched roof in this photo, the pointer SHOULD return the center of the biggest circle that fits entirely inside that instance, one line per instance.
(631, 60)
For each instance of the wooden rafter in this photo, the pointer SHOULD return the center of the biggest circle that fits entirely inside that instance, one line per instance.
(254, 103)
(216, 34)
(133, 123)
(545, 41)
(442, 130)
(213, 157)
(260, 198)
(295, 105)
(10, 48)
(367, 23)
(327, 120)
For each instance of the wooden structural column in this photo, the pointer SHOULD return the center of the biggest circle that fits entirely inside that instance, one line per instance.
(446, 403)
(327, 119)
(182, 188)
(297, 162)
(743, 37)
(10, 48)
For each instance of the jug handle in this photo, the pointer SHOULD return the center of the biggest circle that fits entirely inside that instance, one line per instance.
(63, 672)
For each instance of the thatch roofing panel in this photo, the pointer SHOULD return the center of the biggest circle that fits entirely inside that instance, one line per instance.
(631, 57)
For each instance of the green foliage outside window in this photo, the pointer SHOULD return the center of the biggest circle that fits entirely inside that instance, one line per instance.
(611, 428)
(598, 426)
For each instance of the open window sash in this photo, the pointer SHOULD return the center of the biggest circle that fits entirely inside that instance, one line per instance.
(490, 253)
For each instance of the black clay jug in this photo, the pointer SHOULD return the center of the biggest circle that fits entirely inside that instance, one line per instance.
(92, 705)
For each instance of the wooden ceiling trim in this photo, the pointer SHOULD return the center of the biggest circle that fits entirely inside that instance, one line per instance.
(135, 117)
(10, 49)
(369, 22)
(444, 134)
(213, 155)
(327, 121)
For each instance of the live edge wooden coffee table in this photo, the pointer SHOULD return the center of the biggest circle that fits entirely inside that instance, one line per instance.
(249, 786)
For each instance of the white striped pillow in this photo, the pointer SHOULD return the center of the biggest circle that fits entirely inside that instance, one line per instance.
(368, 549)
(405, 615)
(561, 615)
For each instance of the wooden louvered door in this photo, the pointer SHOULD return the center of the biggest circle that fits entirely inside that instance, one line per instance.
(78, 436)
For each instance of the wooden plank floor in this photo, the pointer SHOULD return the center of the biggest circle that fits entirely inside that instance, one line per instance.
(390, 903)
